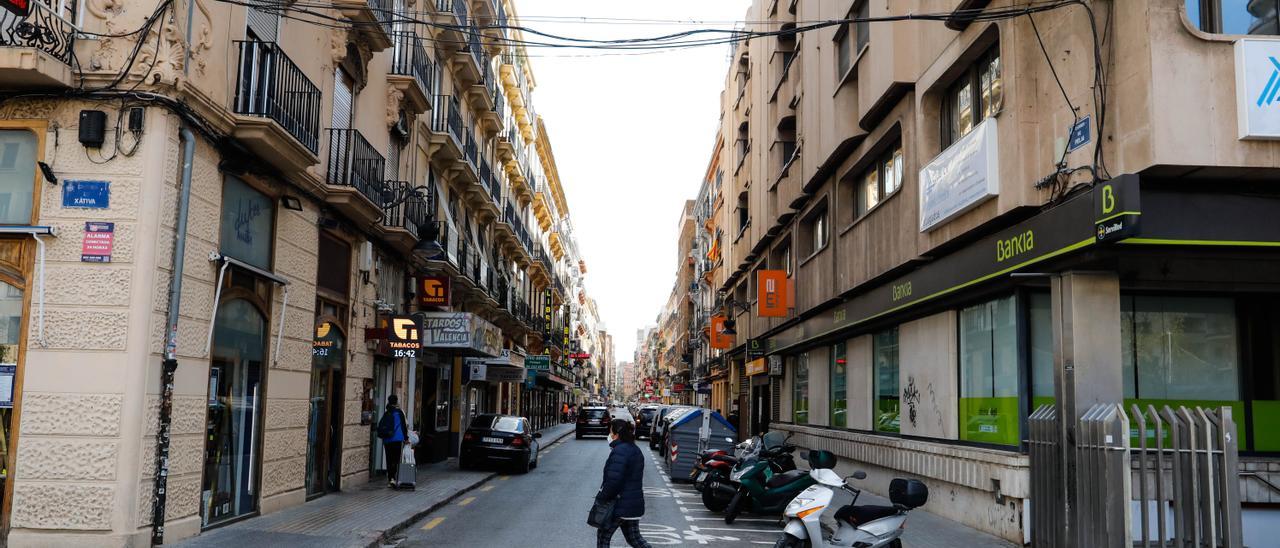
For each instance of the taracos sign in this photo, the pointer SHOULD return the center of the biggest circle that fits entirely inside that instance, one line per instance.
(960, 178)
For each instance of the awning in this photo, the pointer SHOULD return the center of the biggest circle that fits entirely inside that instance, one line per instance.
(217, 297)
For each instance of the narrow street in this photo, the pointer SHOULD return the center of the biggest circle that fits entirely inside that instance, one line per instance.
(548, 507)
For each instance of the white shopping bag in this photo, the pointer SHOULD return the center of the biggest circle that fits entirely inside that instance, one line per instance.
(408, 472)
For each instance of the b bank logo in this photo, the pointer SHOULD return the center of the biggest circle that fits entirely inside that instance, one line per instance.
(1272, 88)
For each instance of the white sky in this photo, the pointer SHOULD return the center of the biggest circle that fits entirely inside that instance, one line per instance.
(632, 135)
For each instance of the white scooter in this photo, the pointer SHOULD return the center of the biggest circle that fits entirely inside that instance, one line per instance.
(858, 526)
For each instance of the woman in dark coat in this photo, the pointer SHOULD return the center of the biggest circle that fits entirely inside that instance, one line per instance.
(623, 482)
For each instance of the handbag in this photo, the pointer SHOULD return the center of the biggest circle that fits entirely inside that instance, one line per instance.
(601, 514)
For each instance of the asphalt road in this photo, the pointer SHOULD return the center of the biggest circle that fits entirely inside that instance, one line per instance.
(548, 507)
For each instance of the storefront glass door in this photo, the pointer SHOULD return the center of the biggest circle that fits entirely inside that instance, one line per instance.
(382, 372)
(11, 317)
(231, 457)
(324, 435)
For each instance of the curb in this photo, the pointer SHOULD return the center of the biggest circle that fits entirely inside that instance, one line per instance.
(385, 535)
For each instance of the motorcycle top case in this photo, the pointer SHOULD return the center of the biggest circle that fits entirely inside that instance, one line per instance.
(908, 492)
(821, 459)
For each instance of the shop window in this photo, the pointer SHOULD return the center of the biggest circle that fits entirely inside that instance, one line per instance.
(884, 361)
(744, 212)
(1041, 334)
(248, 222)
(989, 373)
(335, 260)
(975, 96)
(236, 371)
(879, 181)
(800, 390)
(17, 176)
(1259, 17)
(11, 312)
(838, 383)
(1179, 351)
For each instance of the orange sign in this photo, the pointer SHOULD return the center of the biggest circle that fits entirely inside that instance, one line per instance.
(719, 340)
(756, 367)
(771, 290)
(433, 291)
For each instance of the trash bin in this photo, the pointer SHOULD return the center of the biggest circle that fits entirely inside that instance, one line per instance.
(693, 432)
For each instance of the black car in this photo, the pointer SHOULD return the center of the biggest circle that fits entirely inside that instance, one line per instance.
(644, 421)
(500, 439)
(592, 421)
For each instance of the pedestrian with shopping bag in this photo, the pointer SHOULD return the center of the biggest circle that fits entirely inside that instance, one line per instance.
(393, 430)
(620, 502)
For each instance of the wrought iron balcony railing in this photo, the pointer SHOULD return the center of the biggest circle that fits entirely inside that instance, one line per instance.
(478, 54)
(470, 150)
(353, 162)
(410, 59)
(494, 184)
(457, 7)
(414, 212)
(43, 28)
(269, 85)
(446, 118)
(384, 13)
(499, 102)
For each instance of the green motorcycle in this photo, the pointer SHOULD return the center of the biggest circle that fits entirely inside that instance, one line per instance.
(760, 490)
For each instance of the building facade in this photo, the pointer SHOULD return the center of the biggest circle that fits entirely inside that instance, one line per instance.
(949, 198)
(212, 215)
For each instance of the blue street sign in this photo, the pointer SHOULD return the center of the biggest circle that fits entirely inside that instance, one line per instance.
(86, 194)
(1080, 134)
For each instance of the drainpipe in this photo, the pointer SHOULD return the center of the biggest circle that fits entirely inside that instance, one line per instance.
(170, 362)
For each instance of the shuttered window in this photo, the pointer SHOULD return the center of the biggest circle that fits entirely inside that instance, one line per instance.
(343, 97)
(262, 25)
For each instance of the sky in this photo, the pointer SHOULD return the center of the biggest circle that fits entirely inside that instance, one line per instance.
(632, 136)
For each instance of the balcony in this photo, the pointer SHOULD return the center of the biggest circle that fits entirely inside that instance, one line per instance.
(354, 175)
(371, 18)
(412, 72)
(402, 222)
(506, 145)
(472, 61)
(451, 14)
(277, 107)
(447, 131)
(36, 49)
(489, 101)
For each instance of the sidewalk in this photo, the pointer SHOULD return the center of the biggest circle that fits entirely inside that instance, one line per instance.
(926, 529)
(359, 518)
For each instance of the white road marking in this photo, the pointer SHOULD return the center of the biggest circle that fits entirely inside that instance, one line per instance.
(696, 528)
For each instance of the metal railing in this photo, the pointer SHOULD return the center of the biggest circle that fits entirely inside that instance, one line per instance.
(269, 85)
(414, 212)
(355, 163)
(384, 13)
(476, 49)
(42, 28)
(457, 7)
(446, 118)
(1185, 466)
(494, 185)
(469, 148)
(485, 173)
(499, 102)
(410, 59)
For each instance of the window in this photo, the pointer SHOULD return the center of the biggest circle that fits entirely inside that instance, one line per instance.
(800, 390)
(744, 213)
(838, 383)
(989, 373)
(1179, 348)
(884, 362)
(248, 220)
(1041, 335)
(975, 96)
(17, 176)
(1235, 16)
(814, 232)
(851, 38)
(881, 179)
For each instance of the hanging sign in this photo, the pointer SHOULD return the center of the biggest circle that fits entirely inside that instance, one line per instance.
(756, 367)
(772, 294)
(719, 340)
(540, 362)
(775, 365)
(1257, 88)
(963, 176)
(755, 348)
(7, 373)
(531, 379)
(86, 194)
(99, 239)
(478, 369)
(434, 291)
(404, 337)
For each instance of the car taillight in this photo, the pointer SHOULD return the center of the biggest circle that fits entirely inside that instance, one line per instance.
(469, 437)
(517, 441)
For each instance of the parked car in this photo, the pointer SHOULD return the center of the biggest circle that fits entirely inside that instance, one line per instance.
(644, 421)
(500, 439)
(658, 433)
(592, 421)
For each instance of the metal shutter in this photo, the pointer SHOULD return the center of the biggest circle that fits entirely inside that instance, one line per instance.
(776, 385)
(263, 25)
(393, 160)
(343, 97)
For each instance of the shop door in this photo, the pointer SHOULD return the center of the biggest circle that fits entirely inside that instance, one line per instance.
(11, 307)
(236, 371)
(382, 373)
(760, 406)
(324, 435)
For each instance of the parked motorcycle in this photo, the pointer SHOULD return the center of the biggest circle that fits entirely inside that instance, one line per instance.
(718, 489)
(862, 526)
(760, 491)
(712, 467)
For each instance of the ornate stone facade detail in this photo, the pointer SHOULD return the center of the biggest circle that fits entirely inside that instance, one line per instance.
(71, 414)
(395, 98)
(27, 110)
(62, 506)
(337, 47)
(62, 459)
(204, 37)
